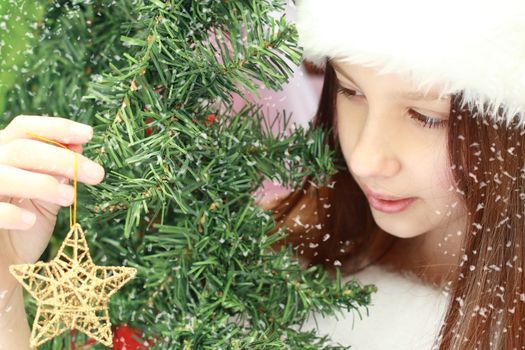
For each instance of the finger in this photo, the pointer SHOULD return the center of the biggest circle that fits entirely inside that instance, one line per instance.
(15, 218)
(24, 184)
(54, 128)
(43, 157)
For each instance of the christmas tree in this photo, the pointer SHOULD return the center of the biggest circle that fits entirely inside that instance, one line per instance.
(156, 79)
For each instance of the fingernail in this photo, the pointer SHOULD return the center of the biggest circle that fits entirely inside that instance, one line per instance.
(28, 217)
(92, 170)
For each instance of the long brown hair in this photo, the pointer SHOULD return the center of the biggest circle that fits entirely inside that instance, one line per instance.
(486, 308)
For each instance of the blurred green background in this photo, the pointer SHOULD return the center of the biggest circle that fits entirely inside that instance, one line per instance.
(19, 20)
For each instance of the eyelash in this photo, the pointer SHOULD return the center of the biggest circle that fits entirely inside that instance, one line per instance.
(431, 122)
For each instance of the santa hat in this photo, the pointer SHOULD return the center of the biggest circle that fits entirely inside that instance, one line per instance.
(476, 47)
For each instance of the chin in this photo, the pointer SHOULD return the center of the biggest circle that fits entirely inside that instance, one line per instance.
(397, 227)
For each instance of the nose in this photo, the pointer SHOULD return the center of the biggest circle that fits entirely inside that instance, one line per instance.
(374, 154)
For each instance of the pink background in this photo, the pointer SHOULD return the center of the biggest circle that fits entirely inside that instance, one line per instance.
(300, 98)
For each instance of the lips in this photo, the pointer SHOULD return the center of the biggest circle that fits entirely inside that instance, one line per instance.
(390, 206)
(370, 193)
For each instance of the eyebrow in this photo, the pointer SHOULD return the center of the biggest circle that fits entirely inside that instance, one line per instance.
(407, 94)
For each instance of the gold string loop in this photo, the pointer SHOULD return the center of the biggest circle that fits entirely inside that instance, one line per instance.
(72, 216)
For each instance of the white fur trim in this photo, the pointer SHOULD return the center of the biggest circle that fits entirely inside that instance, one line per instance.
(473, 46)
(405, 314)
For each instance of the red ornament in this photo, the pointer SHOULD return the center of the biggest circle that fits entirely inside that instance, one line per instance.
(124, 338)
(72, 334)
(91, 341)
(127, 338)
(148, 130)
(211, 118)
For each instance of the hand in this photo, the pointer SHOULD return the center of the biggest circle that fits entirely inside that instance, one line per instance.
(34, 185)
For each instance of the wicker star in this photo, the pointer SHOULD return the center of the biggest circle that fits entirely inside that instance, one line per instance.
(71, 291)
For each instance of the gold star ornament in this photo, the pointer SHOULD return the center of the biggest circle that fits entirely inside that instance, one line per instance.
(71, 291)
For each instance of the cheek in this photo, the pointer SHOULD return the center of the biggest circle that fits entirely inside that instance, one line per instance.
(441, 196)
(441, 168)
(347, 124)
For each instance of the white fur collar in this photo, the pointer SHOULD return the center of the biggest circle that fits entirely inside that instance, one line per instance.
(405, 315)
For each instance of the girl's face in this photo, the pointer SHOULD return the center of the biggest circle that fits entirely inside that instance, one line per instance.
(389, 150)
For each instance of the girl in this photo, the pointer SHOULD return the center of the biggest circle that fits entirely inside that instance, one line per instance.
(464, 174)
(427, 105)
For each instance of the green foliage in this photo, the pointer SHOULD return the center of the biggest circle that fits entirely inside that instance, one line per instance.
(177, 204)
(18, 22)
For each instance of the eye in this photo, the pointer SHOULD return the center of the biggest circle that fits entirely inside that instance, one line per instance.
(427, 121)
(347, 92)
(431, 122)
